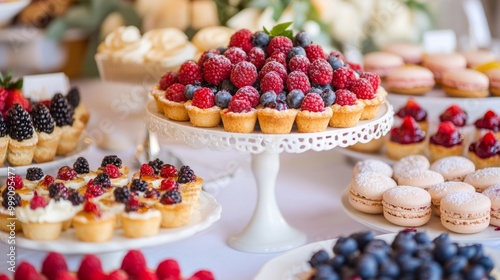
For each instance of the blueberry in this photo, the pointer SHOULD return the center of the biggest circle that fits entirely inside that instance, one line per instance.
(295, 51)
(222, 98)
(455, 265)
(444, 237)
(430, 271)
(278, 105)
(455, 277)
(389, 269)
(316, 90)
(294, 100)
(281, 96)
(367, 266)
(336, 62)
(319, 258)
(260, 39)
(479, 251)
(345, 245)
(475, 272)
(301, 39)
(362, 238)
(408, 263)
(485, 262)
(228, 85)
(337, 262)
(443, 252)
(352, 258)
(222, 50)
(424, 254)
(189, 91)
(468, 251)
(405, 245)
(328, 96)
(209, 55)
(422, 238)
(325, 272)
(267, 97)
(378, 248)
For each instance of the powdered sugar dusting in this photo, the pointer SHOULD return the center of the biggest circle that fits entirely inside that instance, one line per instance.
(407, 196)
(493, 193)
(464, 201)
(421, 178)
(371, 183)
(438, 191)
(373, 165)
(410, 162)
(483, 178)
(453, 165)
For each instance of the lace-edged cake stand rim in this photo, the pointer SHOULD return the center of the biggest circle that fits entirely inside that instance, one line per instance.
(219, 140)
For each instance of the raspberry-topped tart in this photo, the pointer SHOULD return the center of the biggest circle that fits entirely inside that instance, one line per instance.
(447, 141)
(313, 115)
(92, 224)
(454, 114)
(489, 122)
(407, 139)
(158, 90)
(173, 103)
(202, 110)
(140, 219)
(116, 161)
(240, 114)
(485, 152)
(69, 177)
(347, 109)
(413, 109)
(370, 95)
(116, 178)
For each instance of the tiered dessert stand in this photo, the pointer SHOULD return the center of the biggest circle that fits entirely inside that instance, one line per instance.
(267, 230)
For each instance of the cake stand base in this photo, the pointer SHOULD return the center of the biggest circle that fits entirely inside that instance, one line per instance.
(267, 231)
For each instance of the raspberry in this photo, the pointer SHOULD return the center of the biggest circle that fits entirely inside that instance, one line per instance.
(239, 103)
(15, 181)
(175, 93)
(169, 184)
(189, 73)
(363, 89)
(26, 271)
(53, 264)
(203, 98)
(343, 78)
(47, 180)
(206, 55)
(314, 51)
(251, 93)
(299, 63)
(354, 66)
(345, 97)
(152, 193)
(216, 69)
(271, 82)
(146, 170)
(298, 80)
(133, 204)
(134, 264)
(273, 66)
(171, 197)
(93, 190)
(373, 78)
(92, 208)
(38, 201)
(117, 274)
(243, 74)
(242, 39)
(168, 79)
(112, 171)
(168, 171)
(168, 269)
(66, 173)
(203, 275)
(90, 264)
(279, 44)
(278, 57)
(320, 72)
(147, 275)
(257, 57)
(235, 55)
(65, 275)
(312, 103)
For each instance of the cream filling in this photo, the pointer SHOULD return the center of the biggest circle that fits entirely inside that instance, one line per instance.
(58, 211)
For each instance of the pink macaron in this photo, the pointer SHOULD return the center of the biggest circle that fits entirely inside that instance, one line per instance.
(442, 62)
(478, 57)
(381, 63)
(493, 193)
(465, 212)
(366, 189)
(494, 76)
(465, 83)
(407, 206)
(439, 191)
(410, 80)
(411, 53)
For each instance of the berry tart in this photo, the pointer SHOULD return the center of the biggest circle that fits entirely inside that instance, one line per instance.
(48, 134)
(98, 188)
(42, 187)
(173, 103)
(92, 224)
(447, 141)
(174, 211)
(150, 173)
(80, 110)
(413, 109)
(10, 201)
(58, 191)
(368, 91)
(158, 90)
(190, 185)
(23, 138)
(33, 177)
(82, 168)
(485, 152)
(116, 178)
(240, 116)
(455, 115)
(275, 117)
(313, 115)
(4, 140)
(489, 122)
(202, 110)
(347, 109)
(116, 203)
(62, 112)
(407, 139)
(140, 219)
(116, 161)
(69, 178)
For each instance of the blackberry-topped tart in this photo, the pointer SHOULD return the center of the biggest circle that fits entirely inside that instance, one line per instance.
(174, 211)
(62, 112)
(140, 219)
(447, 141)
(48, 134)
(485, 152)
(114, 160)
(4, 140)
(23, 138)
(82, 168)
(33, 177)
(190, 185)
(407, 139)
(116, 203)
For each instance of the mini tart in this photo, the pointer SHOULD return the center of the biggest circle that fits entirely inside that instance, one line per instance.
(69, 138)
(480, 162)
(141, 223)
(272, 121)
(398, 151)
(174, 215)
(313, 121)
(82, 113)
(480, 132)
(91, 228)
(243, 122)
(88, 176)
(153, 181)
(437, 152)
(7, 217)
(209, 117)
(75, 183)
(4, 144)
(191, 191)
(373, 146)
(108, 204)
(347, 115)
(21, 153)
(157, 93)
(372, 105)
(174, 110)
(107, 192)
(46, 147)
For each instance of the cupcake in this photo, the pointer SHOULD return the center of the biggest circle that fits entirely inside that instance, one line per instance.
(447, 141)
(4, 140)
(23, 138)
(174, 211)
(173, 103)
(92, 224)
(62, 113)
(347, 109)
(407, 139)
(313, 115)
(48, 134)
(485, 152)
(158, 90)
(413, 109)
(202, 110)
(275, 117)
(239, 116)
(140, 219)
(489, 122)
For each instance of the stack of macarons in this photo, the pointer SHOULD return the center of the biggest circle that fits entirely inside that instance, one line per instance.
(410, 192)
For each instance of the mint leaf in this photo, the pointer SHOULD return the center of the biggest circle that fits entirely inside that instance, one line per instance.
(288, 34)
(266, 31)
(280, 28)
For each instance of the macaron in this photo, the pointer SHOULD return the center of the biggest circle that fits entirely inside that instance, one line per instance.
(484, 178)
(411, 53)
(494, 76)
(439, 63)
(478, 57)
(453, 168)
(465, 212)
(366, 189)
(439, 191)
(381, 63)
(422, 178)
(414, 80)
(407, 206)
(373, 165)
(465, 83)
(493, 193)
(409, 163)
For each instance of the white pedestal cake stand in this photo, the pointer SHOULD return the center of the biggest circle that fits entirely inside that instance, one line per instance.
(267, 230)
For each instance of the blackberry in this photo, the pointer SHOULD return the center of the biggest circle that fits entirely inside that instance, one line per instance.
(122, 194)
(73, 97)
(19, 123)
(3, 127)
(81, 165)
(171, 197)
(103, 180)
(138, 185)
(61, 111)
(186, 175)
(42, 119)
(58, 191)
(34, 173)
(111, 159)
(156, 164)
(12, 201)
(75, 197)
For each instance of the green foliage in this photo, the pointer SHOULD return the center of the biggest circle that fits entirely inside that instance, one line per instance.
(280, 30)
(7, 82)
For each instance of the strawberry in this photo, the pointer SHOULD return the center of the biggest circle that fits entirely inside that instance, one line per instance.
(53, 264)
(26, 271)
(168, 268)
(10, 93)
(90, 264)
(134, 263)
